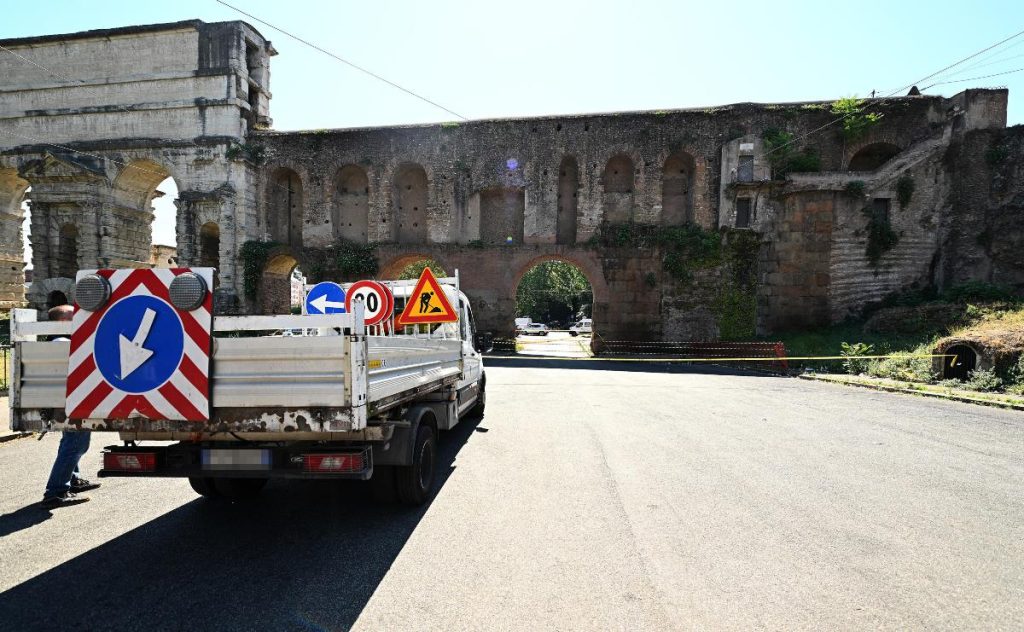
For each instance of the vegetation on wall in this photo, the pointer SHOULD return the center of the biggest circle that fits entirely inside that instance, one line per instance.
(856, 122)
(251, 152)
(855, 188)
(254, 255)
(904, 190)
(784, 157)
(881, 237)
(345, 259)
(688, 248)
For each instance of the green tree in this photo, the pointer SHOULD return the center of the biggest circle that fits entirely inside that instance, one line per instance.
(553, 290)
(414, 270)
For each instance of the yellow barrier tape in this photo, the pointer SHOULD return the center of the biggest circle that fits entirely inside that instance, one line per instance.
(758, 359)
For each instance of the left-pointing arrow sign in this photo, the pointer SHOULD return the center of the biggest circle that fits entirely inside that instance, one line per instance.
(321, 303)
(133, 354)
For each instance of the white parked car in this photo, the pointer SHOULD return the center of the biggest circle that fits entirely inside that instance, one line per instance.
(535, 329)
(585, 326)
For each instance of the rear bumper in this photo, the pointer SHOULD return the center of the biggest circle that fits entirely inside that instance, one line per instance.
(185, 460)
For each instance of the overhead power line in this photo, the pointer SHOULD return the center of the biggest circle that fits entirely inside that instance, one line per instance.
(997, 74)
(344, 61)
(890, 94)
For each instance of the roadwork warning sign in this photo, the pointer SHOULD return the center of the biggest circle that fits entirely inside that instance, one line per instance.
(428, 303)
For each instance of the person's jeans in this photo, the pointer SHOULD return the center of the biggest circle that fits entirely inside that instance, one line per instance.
(72, 446)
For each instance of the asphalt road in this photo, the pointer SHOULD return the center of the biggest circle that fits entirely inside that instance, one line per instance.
(557, 344)
(587, 498)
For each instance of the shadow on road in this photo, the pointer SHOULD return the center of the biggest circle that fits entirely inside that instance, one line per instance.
(24, 518)
(623, 364)
(303, 556)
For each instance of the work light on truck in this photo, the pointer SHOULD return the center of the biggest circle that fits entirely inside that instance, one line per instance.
(92, 292)
(129, 462)
(187, 291)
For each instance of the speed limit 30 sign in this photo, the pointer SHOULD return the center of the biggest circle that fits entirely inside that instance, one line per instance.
(378, 301)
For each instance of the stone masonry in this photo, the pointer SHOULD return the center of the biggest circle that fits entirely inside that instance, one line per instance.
(491, 198)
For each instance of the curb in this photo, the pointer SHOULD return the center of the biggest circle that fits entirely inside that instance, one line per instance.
(910, 391)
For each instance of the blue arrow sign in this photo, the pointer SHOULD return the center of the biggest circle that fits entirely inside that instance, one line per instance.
(325, 298)
(139, 343)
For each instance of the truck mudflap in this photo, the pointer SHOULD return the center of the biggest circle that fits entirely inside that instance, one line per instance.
(181, 460)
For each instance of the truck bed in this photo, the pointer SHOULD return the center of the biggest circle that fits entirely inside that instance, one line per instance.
(327, 383)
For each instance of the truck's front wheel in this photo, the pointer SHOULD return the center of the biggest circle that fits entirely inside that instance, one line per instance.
(415, 482)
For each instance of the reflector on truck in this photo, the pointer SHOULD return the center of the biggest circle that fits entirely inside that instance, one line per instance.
(136, 354)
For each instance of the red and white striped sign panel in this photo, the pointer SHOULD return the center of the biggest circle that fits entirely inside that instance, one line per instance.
(137, 355)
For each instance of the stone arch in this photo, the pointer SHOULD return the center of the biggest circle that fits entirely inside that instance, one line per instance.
(568, 201)
(67, 251)
(285, 206)
(618, 186)
(56, 298)
(42, 289)
(351, 208)
(393, 266)
(677, 189)
(132, 194)
(590, 269)
(135, 185)
(409, 201)
(209, 245)
(965, 359)
(12, 248)
(275, 282)
(871, 157)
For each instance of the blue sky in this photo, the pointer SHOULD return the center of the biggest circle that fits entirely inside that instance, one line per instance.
(488, 59)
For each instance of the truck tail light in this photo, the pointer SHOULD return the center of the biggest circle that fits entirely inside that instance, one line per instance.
(340, 462)
(129, 461)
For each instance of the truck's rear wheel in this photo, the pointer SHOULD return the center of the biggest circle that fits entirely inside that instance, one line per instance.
(203, 486)
(415, 482)
(481, 400)
(239, 488)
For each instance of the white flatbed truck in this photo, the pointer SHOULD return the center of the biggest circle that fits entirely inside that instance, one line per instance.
(352, 402)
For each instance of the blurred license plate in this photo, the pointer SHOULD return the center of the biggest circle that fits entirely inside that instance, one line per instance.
(236, 459)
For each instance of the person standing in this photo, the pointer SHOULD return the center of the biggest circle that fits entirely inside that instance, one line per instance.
(65, 485)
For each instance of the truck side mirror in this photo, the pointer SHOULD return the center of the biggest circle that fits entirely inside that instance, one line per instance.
(484, 342)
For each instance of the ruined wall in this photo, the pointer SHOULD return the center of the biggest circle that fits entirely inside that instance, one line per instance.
(125, 109)
(984, 236)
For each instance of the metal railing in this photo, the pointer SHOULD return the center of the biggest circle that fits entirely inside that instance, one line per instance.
(5, 371)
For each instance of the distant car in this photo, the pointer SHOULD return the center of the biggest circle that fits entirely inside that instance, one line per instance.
(585, 326)
(535, 329)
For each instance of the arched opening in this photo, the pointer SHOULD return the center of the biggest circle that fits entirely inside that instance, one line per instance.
(209, 247)
(145, 193)
(568, 201)
(618, 184)
(410, 205)
(67, 251)
(285, 207)
(278, 285)
(554, 305)
(56, 298)
(15, 251)
(502, 212)
(351, 204)
(959, 366)
(873, 156)
(676, 187)
(414, 269)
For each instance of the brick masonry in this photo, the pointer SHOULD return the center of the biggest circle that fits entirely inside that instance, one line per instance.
(490, 198)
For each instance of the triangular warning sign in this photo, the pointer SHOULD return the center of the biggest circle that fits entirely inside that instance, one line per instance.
(427, 303)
